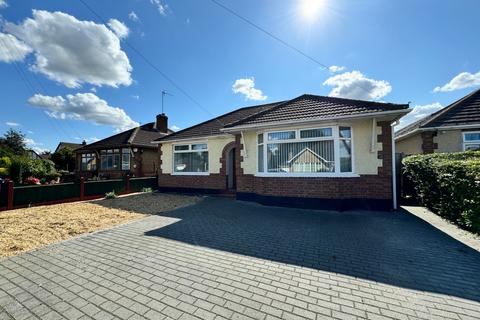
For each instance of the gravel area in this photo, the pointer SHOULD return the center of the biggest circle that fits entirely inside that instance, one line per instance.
(30, 228)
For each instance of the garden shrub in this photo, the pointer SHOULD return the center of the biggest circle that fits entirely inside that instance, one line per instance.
(111, 195)
(22, 167)
(449, 185)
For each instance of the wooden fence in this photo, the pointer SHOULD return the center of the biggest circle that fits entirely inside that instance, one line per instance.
(12, 196)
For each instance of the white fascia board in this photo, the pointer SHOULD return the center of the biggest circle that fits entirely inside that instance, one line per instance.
(418, 130)
(194, 139)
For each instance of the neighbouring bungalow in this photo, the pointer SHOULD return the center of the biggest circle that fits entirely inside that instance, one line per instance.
(454, 128)
(127, 153)
(311, 151)
(69, 145)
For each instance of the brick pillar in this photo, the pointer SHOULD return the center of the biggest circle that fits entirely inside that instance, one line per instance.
(9, 195)
(82, 188)
(428, 146)
(127, 183)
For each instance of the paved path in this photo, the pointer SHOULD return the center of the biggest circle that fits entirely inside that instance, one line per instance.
(223, 259)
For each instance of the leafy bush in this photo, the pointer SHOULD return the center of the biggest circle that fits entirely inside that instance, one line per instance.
(22, 167)
(111, 195)
(16, 171)
(144, 189)
(449, 185)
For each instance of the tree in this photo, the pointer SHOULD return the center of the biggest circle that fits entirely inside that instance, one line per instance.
(13, 142)
(64, 159)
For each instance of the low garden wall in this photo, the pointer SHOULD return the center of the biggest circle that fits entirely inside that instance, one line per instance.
(449, 185)
(12, 196)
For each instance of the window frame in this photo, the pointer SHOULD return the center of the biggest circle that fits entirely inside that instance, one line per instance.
(465, 142)
(336, 142)
(190, 150)
(88, 155)
(124, 152)
(111, 152)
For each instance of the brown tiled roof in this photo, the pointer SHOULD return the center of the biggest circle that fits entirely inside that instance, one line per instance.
(139, 136)
(308, 107)
(70, 145)
(301, 108)
(465, 111)
(212, 127)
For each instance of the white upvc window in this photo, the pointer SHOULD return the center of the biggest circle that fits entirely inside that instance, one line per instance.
(320, 151)
(190, 159)
(125, 159)
(471, 140)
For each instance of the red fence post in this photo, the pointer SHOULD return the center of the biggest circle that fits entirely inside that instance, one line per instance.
(82, 188)
(9, 195)
(127, 184)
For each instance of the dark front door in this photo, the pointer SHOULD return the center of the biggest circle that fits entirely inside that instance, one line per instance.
(231, 173)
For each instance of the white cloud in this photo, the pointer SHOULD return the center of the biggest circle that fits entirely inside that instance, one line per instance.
(335, 69)
(12, 124)
(84, 106)
(29, 131)
(162, 8)
(73, 52)
(175, 128)
(36, 146)
(12, 49)
(418, 112)
(355, 85)
(3, 4)
(120, 29)
(461, 81)
(247, 88)
(93, 89)
(135, 96)
(133, 16)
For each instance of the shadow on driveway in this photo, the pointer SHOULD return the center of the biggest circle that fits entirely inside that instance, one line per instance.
(393, 248)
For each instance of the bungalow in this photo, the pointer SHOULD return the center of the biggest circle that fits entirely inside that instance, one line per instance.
(129, 152)
(454, 128)
(311, 151)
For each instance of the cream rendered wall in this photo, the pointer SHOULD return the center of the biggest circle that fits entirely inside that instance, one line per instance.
(365, 162)
(215, 148)
(449, 141)
(167, 158)
(249, 163)
(410, 145)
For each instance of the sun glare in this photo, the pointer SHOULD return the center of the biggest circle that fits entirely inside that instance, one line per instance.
(310, 8)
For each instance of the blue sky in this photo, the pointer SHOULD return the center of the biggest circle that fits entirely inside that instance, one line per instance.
(66, 76)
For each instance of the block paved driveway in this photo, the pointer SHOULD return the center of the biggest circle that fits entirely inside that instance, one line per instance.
(227, 259)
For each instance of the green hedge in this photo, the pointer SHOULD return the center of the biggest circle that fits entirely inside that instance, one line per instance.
(449, 185)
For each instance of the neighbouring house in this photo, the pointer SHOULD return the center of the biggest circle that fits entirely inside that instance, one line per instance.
(69, 145)
(311, 151)
(32, 154)
(130, 152)
(452, 129)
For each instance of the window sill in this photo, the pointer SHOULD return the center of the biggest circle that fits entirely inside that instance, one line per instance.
(190, 173)
(308, 175)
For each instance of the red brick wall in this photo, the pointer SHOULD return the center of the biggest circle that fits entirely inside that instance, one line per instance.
(366, 186)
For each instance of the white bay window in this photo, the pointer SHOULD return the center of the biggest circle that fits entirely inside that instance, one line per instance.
(190, 158)
(316, 151)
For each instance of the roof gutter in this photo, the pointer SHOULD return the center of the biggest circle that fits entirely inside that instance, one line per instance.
(192, 139)
(417, 130)
(279, 123)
